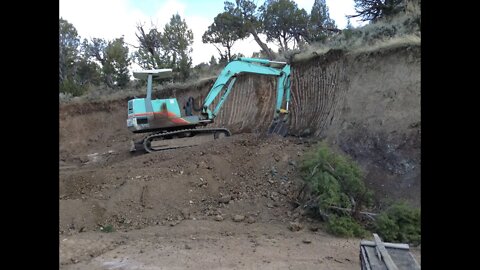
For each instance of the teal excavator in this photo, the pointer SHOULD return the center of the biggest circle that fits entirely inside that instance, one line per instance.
(167, 128)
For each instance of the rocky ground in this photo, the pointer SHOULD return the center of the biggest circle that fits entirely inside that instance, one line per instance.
(228, 204)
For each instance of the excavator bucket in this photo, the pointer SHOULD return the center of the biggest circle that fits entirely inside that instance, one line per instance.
(279, 127)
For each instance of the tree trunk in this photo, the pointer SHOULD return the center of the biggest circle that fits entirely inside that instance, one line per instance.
(262, 45)
(281, 44)
(109, 81)
(285, 41)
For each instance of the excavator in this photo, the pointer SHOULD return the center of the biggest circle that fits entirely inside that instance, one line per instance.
(167, 128)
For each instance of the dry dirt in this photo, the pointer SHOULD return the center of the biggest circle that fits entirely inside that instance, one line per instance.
(163, 208)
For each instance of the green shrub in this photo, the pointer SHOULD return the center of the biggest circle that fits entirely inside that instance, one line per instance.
(345, 226)
(335, 180)
(68, 86)
(399, 223)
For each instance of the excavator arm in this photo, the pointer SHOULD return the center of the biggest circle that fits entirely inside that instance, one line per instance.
(248, 65)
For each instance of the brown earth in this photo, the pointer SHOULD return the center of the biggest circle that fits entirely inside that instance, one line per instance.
(175, 209)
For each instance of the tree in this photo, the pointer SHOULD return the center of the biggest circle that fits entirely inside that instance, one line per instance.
(213, 61)
(224, 31)
(150, 53)
(247, 20)
(112, 56)
(373, 10)
(69, 42)
(117, 62)
(95, 48)
(283, 22)
(88, 72)
(320, 25)
(176, 40)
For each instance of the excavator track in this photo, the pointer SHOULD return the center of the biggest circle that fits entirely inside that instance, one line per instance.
(181, 138)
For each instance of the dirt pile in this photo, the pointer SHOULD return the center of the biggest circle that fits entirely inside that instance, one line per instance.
(244, 175)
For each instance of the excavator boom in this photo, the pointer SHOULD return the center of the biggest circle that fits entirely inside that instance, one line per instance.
(254, 66)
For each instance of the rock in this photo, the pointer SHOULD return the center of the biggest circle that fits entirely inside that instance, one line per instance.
(203, 165)
(187, 246)
(295, 226)
(185, 213)
(313, 228)
(293, 163)
(307, 241)
(218, 218)
(305, 133)
(273, 171)
(283, 192)
(238, 218)
(250, 220)
(269, 205)
(225, 199)
(274, 196)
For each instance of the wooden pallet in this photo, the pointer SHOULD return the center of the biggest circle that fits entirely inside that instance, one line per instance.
(378, 255)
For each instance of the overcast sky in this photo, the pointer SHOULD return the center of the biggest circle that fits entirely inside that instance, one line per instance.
(111, 19)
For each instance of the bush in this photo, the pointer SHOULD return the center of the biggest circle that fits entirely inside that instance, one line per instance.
(335, 180)
(399, 223)
(345, 226)
(68, 86)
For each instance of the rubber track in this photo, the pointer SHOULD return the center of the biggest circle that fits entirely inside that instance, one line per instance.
(149, 138)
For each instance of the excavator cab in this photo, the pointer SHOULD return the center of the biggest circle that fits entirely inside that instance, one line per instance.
(147, 115)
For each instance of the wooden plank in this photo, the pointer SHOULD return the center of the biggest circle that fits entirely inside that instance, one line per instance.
(417, 265)
(403, 259)
(364, 259)
(387, 245)
(384, 253)
(373, 260)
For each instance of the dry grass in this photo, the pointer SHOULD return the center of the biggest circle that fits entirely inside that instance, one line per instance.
(135, 89)
(399, 31)
(391, 43)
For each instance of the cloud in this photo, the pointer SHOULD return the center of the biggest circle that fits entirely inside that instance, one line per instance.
(107, 19)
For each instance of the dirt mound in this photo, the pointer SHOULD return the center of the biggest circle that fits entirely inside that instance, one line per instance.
(245, 174)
